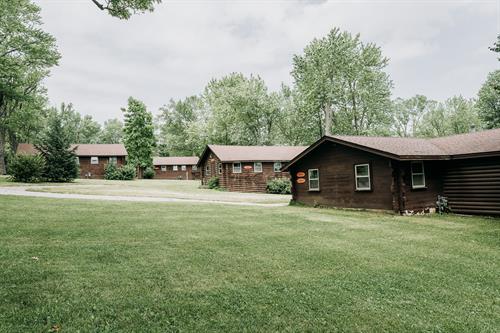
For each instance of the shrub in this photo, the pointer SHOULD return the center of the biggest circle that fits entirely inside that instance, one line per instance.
(279, 186)
(26, 168)
(213, 183)
(126, 172)
(148, 173)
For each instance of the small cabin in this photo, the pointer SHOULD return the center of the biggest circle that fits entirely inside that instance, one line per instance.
(405, 175)
(176, 167)
(91, 158)
(245, 168)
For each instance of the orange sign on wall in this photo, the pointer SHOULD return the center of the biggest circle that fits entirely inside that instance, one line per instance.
(301, 181)
(247, 167)
(300, 174)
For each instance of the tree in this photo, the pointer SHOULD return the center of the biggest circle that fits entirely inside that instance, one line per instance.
(26, 55)
(60, 159)
(89, 131)
(343, 85)
(78, 129)
(408, 113)
(496, 46)
(138, 136)
(112, 131)
(123, 9)
(489, 100)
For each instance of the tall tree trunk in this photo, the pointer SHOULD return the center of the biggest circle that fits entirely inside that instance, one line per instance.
(3, 169)
(328, 119)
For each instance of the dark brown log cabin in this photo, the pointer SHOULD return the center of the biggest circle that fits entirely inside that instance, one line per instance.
(92, 158)
(401, 174)
(245, 168)
(176, 167)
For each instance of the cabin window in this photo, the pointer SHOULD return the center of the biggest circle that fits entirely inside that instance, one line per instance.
(237, 167)
(183, 168)
(277, 167)
(163, 168)
(78, 160)
(313, 180)
(94, 160)
(113, 160)
(195, 168)
(363, 180)
(219, 168)
(417, 175)
(207, 169)
(257, 167)
(176, 167)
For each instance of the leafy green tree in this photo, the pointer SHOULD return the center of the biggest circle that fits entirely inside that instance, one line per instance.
(78, 129)
(26, 55)
(89, 131)
(139, 136)
(60, 158)
(489, 100)
(408, 113)
(496, 46)
(123, 9)
(344, 86)
(112, 131)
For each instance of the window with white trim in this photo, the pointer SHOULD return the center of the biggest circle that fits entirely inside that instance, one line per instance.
(313, 175)
(78, 160)
(219, 168)
(163, 168)
(113, 160)
(257, 167)
(175, 168)
(362, 177)
(94, 160)
(183, 167)
(417, 174)
(277, 167)
(237, 167)
(195, 168)
(207, 169)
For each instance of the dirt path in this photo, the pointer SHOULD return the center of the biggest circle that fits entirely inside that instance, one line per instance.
(23, 191)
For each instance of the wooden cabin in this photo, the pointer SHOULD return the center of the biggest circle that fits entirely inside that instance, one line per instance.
(91, 158)
(245, 168)
(405, 175)
(176, 167)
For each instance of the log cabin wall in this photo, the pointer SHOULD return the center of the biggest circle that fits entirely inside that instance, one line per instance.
(249, 180)
(96, 171)
(169, 173)
(337, 178)
(473, 185)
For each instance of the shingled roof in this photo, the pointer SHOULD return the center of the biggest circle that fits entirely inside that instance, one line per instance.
(82, 149)
(484, 143)
(254, 153)
(175, 160)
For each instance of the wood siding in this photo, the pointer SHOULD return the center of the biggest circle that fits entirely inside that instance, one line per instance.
(337, 180)
(96, 171)
(473, 186)
(187, 174)
(246, 181)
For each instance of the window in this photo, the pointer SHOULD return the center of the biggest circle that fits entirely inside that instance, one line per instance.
(183, 168)
(163, 168)
(417, 175)
(195, 168)
(277, 167)
(257, 167)
(237, 167)
(175, 168)
(362, 173)
(207, 169)
(313, 180)
(219, 168)
(78, 160)
(113, 160)
(94, 160)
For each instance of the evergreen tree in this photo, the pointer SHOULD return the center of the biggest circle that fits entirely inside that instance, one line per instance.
(60, 159)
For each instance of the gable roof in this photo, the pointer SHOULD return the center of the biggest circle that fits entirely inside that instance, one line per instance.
(254, 153)
(117, 149)
(175, 160)
(484, 143)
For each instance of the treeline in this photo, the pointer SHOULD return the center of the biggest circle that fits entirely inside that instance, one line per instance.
(340, 86)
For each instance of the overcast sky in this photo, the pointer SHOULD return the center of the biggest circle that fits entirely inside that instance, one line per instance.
(436, 48)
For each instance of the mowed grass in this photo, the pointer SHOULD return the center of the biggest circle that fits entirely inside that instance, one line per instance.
(111, 266)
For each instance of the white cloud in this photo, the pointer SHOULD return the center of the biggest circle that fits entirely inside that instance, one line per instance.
(434, 46)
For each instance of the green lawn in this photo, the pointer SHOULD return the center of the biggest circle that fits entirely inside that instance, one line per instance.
(121, 266)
